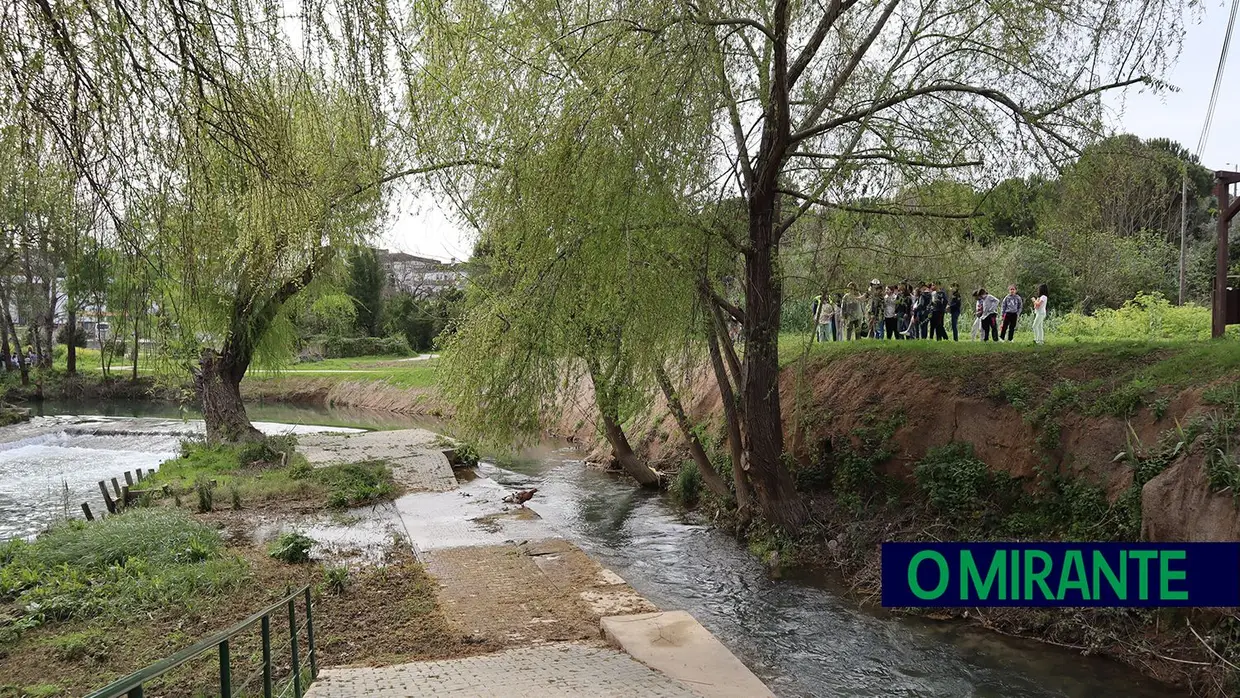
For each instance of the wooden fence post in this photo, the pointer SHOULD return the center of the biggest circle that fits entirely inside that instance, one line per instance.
(86, 510)
(107, 498)
(128, 478)
(116, 486)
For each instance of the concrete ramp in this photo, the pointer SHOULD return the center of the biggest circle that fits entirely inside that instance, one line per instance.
(675, 644)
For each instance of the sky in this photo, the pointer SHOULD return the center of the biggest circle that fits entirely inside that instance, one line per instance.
(426, 227)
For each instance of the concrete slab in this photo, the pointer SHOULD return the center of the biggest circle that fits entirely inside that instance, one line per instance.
(472, 515)
(411, 454)
(675, 644)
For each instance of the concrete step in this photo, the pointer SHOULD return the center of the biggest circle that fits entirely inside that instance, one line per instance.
(676, 645)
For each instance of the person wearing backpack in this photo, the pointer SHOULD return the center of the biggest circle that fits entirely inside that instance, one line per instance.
(953, 309)
(938, 307)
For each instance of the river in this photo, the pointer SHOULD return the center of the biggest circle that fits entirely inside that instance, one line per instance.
(801, 636)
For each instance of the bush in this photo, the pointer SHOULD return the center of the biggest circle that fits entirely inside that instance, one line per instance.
(356, 484)
(336, 580)
(67, 333)
(292, 547)
(962, 488)
(466, 454)
(1148, 316)
(687, 485)
(343, 347)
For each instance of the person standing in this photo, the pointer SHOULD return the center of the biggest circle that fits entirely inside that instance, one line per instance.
(1012, 305)
(953, 308)
(904, 310)
(938, 306)
(824, 315)
(977, 315)
(924, 305)
(854, 312)
(875, 315)
(891, 303)
(990, 312)
(1039, 314)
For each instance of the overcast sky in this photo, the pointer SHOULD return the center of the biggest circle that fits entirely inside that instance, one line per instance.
(425, 227)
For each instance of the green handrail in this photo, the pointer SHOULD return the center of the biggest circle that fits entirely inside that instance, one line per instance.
(131, 685)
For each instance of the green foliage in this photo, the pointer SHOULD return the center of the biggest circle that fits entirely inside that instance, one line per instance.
(1014, 390)
(1147, 316)
(336, 580)
(234, 495)
(334, 347)
(960, 487)
(292, 547)
(356, 484)
(687, 485)
(466, 454)
(1125, 400)
(121, 565)
(421, 320)
(1048, 416)
(206, 495)
(365, 289)
(76, 646)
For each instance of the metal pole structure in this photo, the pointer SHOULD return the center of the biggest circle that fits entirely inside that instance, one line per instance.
(1219, 326)
(1227, 210)
(1183, 226)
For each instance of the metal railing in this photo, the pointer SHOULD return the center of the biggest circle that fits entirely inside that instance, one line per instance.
(131, 685)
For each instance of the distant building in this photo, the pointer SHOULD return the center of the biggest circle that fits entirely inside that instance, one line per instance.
(420, 276)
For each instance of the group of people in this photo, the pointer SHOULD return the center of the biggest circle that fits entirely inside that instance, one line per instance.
(908, 311)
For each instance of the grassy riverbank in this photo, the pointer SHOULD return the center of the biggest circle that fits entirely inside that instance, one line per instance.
(86, 603)
(926, 441)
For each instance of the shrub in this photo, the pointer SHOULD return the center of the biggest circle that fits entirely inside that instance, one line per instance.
(344, 347)
(954, 481)
(1148, 316)
(336, 580)
(466, 454)
(355, 484)
(206, 497)
(687, 484)
(292, 547)
(67, 334)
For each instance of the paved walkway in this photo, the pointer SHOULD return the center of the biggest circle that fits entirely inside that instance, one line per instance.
(506, 578)
(568, 669)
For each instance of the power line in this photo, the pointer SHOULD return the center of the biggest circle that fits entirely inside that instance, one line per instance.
(1218, 81)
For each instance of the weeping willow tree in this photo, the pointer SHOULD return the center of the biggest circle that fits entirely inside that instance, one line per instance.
(234, 149)
(810, 107)
(592, 241)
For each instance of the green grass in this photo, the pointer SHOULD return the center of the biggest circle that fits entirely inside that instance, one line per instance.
(403, 374)
(248, 472)
(112, 569)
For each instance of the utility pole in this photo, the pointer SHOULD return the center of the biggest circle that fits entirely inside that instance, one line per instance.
(1183, 222)
(1227, 210)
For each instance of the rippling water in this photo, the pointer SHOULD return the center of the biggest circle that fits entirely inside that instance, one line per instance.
(803, 639)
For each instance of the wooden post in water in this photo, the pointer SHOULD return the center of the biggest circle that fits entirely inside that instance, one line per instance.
(86, 511)
(125, 496)
(107, 498)
(129, 478)
(116, 486)
(138, 474)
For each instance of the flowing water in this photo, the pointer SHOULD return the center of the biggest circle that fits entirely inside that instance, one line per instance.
(802, 636)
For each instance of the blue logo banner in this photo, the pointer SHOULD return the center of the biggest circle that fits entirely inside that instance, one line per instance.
(1061, 574)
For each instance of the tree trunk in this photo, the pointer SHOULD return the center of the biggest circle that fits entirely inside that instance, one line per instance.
(49, 320)
(764, 444)
(710, 476)
(740, 481)
(623, 452)
(4, 344)
(134, 375)
(71, 350)
(218, 383)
